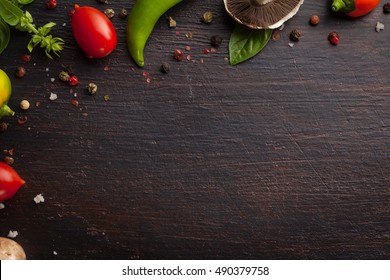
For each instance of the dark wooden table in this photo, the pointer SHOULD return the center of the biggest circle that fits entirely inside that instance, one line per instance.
(285, 156)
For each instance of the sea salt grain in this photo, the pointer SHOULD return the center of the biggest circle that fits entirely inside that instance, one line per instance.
(2, 206)
(12, 234)
(379, 26)
(39, 198)
(53, 96)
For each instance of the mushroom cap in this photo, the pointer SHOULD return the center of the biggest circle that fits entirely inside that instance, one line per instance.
(11, 250)
(262, 14)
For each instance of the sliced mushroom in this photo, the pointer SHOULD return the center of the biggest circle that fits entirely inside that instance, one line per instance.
(262, 14)
(11, 250)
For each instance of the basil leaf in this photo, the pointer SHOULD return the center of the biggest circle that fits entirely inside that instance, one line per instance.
(25, 2)
(44, 30)
(4, 35)
(245, 42)
(20, 3)
(25, 23)
(10, 13)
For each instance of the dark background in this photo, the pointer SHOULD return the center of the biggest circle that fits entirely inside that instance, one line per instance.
(285, 156)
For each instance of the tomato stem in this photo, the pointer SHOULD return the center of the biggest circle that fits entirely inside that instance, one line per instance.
(338, 5)
(345, 6)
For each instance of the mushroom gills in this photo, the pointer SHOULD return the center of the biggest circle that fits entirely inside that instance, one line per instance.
(261, 14)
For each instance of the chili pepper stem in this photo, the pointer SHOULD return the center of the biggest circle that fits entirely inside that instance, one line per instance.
(338, 5)
(6, 111)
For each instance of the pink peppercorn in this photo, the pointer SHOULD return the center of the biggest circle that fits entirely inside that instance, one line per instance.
(73, 80)
(51, 4)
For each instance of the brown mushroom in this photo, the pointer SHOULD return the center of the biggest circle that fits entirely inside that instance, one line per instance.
(262, 14)
(11, 250)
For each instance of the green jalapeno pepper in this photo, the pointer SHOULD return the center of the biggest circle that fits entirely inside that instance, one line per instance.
(142, 19)
(5, 94)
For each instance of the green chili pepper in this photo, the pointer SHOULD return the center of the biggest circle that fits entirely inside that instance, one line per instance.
(5, 94)
(142, 19)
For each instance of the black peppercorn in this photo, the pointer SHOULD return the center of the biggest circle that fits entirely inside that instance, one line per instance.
(314, 20)
(295, 35)
(165, 67)
(9, 160)
(20, 72)
(207, 17)
(64, 76)
(110, 13)
(3, 127)
(123, 13)
(178, 55)
(92, 88)
(386, 8)
(216, 41)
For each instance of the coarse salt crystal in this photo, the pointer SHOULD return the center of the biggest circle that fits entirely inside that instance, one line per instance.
(12, 234)
(379, 26)
(39, 198)
(55, 253)
(291, 45)
(2, 206)
(52, 80)
(53, 96)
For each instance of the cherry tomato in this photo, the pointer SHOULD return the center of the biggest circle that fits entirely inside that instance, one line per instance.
(10, 182)
(354, 8)
(94, 32)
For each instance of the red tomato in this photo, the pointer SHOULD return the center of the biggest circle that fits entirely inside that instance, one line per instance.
(10, 182)
(354, 8)
(94, 32)
(363, 7)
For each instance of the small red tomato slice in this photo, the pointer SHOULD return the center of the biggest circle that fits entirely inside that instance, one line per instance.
(94, 32)
(10, 182)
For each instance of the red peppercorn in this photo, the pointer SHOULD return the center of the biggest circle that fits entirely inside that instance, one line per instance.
(334, 38)
(51, 4)
(73, 80)
(71, 13)
(178, 54)
(26, 57)
(206, 51)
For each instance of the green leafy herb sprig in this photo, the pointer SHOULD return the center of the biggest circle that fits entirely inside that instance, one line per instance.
(245, 42)
(12, 15)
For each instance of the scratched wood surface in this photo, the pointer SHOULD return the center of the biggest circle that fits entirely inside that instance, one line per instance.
(286, 156)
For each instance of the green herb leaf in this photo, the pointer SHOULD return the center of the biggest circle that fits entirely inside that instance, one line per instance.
(21, 3)
(4, 35)
(25, 2)
(10, 13)
(26, 23)
(44, 30)
(245, 42)
(35, 40)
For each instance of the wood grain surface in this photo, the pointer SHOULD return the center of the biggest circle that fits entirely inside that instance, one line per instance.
(285, 156)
